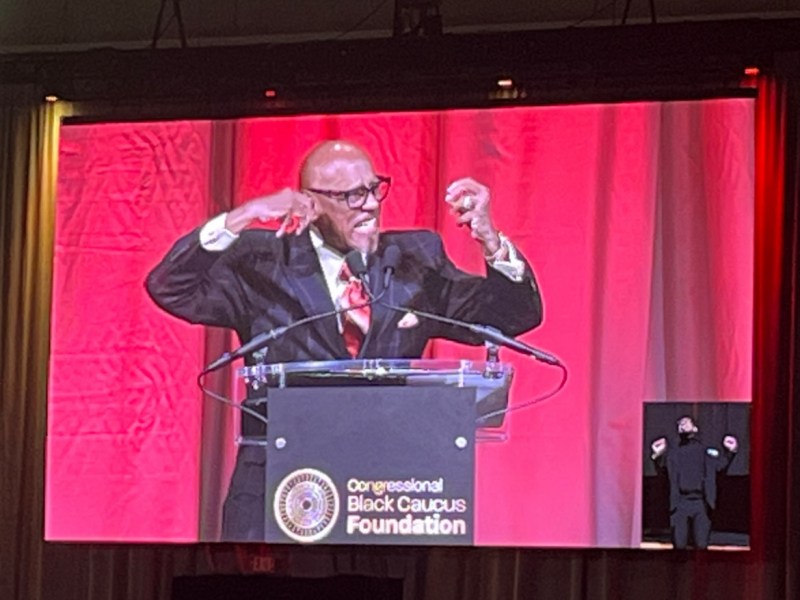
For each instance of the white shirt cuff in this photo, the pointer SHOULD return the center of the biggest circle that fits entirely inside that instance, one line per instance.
(214, 237)
(507, 261)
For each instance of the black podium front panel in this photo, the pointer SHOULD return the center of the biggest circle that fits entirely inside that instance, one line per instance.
(371, 465)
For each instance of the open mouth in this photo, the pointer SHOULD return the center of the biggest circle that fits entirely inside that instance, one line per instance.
(368, 224)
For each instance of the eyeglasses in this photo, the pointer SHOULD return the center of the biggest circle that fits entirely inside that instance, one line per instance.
(356, 198)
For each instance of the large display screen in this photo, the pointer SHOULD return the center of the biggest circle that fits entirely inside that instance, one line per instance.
(636, 221)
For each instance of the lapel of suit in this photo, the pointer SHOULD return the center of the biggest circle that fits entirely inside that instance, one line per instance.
(383, 319)
(304, 274)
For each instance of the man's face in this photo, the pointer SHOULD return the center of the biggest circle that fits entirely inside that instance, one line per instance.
(343, 227)
(686, 426)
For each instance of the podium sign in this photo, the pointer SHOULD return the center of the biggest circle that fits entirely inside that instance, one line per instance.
(371, 464)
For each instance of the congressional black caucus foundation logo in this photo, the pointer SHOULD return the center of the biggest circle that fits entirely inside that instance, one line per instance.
(306, 505)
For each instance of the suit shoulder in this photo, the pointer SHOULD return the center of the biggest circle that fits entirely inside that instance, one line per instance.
(421, 248)
(412, 238)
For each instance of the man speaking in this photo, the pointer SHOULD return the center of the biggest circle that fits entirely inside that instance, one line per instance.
(253, 281)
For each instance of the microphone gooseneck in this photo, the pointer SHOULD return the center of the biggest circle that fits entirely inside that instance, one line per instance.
(488, 333)
(389, 262)
(355, 262)
(391, 258)
(356, 265)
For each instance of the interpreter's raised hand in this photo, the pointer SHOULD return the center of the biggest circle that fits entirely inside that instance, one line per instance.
(658, 447)
(469, 202)
(730, 443)
(294, 210)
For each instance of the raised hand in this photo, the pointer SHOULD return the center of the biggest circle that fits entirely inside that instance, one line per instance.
(730, 443)
(294, 210)
(469, 202)
(658, 447)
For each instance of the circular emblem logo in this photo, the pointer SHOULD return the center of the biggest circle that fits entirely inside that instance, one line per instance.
(306, 505)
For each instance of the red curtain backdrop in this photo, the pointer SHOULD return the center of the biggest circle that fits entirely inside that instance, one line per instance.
(123, 408)
(774, 375)
(637, 218)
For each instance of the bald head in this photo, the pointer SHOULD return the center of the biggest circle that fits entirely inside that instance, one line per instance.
(330, 161)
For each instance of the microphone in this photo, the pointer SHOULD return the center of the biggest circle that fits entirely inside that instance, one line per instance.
(389, 261)
(355, 262)
(391, 258)
(492, 334)
(488, 333)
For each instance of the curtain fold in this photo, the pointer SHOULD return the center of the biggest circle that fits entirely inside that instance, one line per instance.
(29, 138)
(786, 403)
(31, 570)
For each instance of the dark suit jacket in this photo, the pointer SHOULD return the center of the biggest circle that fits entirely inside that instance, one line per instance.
(709, 464)
(262, 282)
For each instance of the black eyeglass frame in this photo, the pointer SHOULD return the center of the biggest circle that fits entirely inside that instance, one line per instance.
(360, 193)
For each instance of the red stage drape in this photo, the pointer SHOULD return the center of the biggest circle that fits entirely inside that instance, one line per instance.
(637, 218)
(775, 418)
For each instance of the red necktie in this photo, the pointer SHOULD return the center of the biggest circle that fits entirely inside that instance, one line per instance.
(355, 322)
